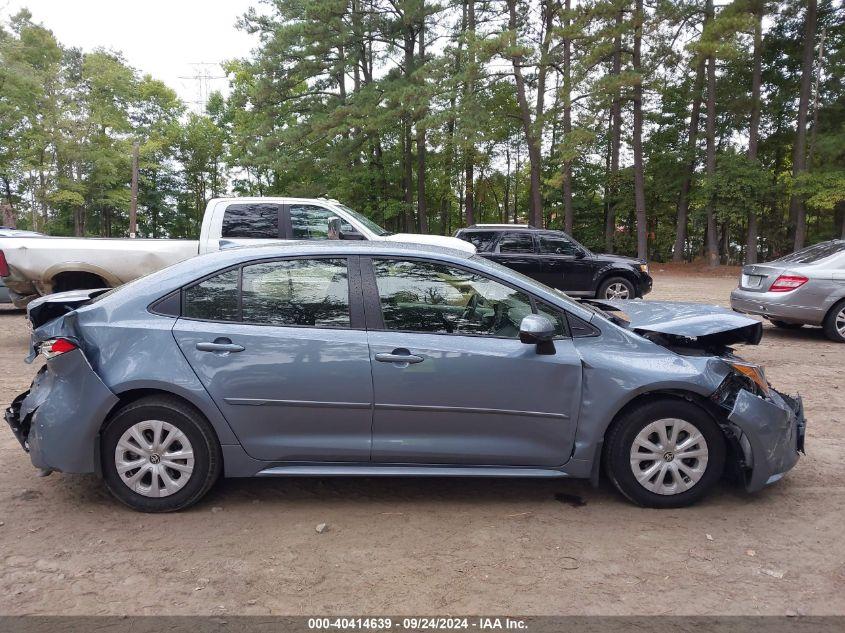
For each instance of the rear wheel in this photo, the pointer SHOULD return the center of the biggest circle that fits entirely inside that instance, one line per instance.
(159, 455)
(616, 288)
(834, 323)
(665, 454)
(786, 326)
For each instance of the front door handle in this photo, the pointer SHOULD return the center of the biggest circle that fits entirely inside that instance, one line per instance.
(399, 356)
(220, 345)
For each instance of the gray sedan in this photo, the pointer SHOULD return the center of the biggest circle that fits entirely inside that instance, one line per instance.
(804, 288)
(380, 359)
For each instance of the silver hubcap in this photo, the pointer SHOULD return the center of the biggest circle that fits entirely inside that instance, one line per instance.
(617, 291)
(154, 458)
(669, 456)
(840, 322)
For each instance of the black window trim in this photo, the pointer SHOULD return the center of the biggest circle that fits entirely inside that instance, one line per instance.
(372, 301)
(353, 276)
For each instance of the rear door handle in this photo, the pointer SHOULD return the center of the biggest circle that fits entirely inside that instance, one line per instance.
(407, 358)
(220, 346)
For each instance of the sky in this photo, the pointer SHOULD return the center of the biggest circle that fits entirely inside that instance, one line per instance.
(166, 38)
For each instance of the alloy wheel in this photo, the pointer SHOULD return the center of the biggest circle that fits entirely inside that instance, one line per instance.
(839, 322)
(669, 456)
(154, 458)
(617, 290)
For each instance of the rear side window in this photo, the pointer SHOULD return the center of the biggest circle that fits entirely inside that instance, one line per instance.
(305, 292)
(482, 240)
(257, 221)
(516, 243)
(214, 299)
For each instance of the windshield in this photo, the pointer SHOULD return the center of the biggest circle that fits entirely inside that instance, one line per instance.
(367, 222)
(815, 253)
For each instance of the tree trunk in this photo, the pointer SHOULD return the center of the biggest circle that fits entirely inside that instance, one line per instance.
(799, 150)
(422, 209)
(818, 77)
(712, 248)
(532, 137)
(568, 214)
(686, 184)
(615, 140)
(637, 141)
(469, 143)
(754, 127)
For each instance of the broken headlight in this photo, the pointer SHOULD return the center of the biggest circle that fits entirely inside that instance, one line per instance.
(754, 374)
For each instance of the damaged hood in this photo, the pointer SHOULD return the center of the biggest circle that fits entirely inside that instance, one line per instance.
(708, 325)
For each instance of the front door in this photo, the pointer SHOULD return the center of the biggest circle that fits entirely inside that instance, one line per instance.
(275, 344)
(452, 382)
(563, 265)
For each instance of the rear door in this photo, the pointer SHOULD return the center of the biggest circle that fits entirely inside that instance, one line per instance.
(452, 382)
(517, 250)
(280, 346)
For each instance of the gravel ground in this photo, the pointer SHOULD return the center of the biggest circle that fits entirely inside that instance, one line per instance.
(428, 546)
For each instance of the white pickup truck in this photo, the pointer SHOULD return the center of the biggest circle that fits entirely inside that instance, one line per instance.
(33, 266)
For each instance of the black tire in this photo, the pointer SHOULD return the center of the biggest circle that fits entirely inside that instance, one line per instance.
(836, 313)
(207, 457)
(620, 439)
(786, 326)
(616, 281)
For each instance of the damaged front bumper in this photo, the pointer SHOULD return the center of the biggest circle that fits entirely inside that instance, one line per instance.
(770, 434)
(57, 421)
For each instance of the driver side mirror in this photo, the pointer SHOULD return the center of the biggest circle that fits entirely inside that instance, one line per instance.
(579, 254)
(338, 230)
(535, 329)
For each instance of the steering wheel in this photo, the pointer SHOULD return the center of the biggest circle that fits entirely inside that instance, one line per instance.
(471, 307)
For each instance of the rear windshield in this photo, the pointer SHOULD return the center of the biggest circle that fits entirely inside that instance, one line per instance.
(814, 253)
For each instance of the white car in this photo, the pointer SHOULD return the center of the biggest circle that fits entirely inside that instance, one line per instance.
(40, 265)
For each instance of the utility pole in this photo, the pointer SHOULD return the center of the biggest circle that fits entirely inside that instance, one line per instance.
(133, 208)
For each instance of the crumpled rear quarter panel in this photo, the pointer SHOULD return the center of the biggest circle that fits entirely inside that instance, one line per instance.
(67, 402)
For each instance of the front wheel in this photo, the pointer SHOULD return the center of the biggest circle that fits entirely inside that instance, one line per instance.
(834, 323)
(665, 454)
(159, 455)
(616, 288)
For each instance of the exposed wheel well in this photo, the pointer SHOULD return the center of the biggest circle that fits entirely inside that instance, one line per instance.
(78, 280)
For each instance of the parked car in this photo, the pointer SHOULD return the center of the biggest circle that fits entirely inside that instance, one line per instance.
(559, 261)
(42, 265)
(6, 231)
(367, 358)
(804, 288)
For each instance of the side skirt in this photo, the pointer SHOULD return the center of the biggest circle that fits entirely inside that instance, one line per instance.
(369, 470)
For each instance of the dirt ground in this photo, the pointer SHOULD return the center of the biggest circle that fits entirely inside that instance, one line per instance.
(400, 546)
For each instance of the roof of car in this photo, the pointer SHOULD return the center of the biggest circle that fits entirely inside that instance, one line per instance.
(341, 247)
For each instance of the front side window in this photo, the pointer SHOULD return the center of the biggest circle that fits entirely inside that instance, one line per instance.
(436, 298)
(310, 222)
(305, 292)
(257, 221)
(556, 245)
(214, 299)
(516, 243)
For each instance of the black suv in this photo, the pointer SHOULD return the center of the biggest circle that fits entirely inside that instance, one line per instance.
(557, 260)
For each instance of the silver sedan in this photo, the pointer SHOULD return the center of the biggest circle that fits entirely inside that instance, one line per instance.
(806, 287)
